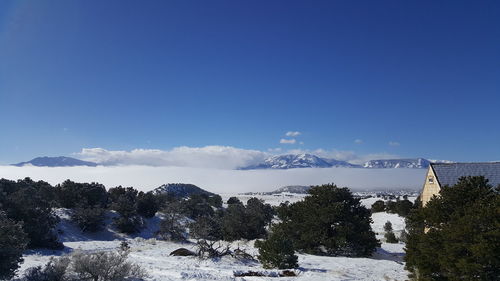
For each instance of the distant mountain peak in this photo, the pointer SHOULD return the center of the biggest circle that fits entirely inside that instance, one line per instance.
(419, 163)
(59, 161)
(302, 160)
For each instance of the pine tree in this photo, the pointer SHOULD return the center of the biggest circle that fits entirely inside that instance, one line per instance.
(378, 206)
(277, 251)
(388, 226)
(456, 236)
(330, 221)
(13, 240)
(147, 204)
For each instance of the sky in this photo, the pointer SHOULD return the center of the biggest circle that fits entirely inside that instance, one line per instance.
(348, 79)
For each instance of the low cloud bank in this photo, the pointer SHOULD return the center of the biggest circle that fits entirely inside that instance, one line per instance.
(146, 178)
(216, 157)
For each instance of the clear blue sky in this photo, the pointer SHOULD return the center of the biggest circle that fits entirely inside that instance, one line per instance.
(160, 74)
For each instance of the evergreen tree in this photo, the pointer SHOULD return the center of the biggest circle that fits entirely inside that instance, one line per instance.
(390, 237)
(89, 218)
(388, 226)
(233, 200)
(171, 227)
(246, 222)
(234, 225)
(456, 236)
(208, 228)
(28, 205)
(13, 240)
(378, 206)
(147, 204)
(72, 194)
(197, 205)
(330, 221)
(124, 202)
(277, 251)
(403, 207)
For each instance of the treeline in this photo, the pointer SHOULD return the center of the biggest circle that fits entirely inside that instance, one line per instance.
(28, 219)
(330, 221)
(400, 207)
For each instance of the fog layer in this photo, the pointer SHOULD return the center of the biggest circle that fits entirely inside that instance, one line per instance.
(223, 181)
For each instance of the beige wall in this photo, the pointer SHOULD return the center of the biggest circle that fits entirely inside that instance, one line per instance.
(431, 186)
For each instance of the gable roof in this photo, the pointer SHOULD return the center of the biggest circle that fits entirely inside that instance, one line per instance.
(449, 173)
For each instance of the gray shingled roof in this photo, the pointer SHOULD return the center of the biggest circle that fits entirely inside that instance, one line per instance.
(448, 174)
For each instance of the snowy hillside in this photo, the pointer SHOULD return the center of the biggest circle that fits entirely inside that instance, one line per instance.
(181, 189)
(153, 255)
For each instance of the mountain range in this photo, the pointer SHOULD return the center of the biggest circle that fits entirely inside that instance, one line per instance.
(287, 161)
(290, 161)
(60, 161)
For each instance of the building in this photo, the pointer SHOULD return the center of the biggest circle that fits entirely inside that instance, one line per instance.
(442, 174)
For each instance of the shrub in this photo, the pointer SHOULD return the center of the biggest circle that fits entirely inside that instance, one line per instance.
(234, 222)
(197, 205)
(97, 266)
(72, 194)
(171, 227)
(233, 200)
(54, 270)
(129, 225)
(329, 221)
(403, 207)
(105, 266)
(124, 202)
(388, 226)
(27, 204)
(205, 227)
(378, 206)
(277, 251)
(390, 237)
(147, 204)
(89, 219)
(246, 222)
(13, 240)
(400, 207)
(456, 235)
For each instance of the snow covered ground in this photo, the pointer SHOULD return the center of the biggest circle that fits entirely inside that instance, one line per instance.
(153, 255)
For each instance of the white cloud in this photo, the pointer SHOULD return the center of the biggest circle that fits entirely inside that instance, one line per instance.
(358, 141)
(288, 141)
(394, 143)
(293, 133)
(217, 157)
(222, 157)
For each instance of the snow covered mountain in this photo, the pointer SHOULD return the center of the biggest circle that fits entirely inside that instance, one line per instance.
(60, 161)
(398, 163)
(290, 161)
(181, 189)
(339, 163)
